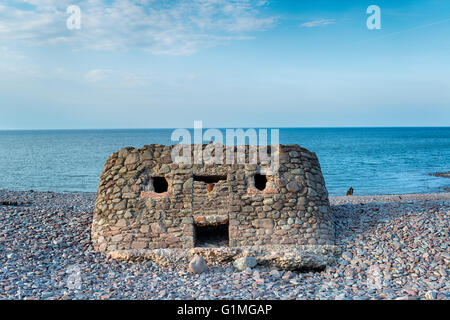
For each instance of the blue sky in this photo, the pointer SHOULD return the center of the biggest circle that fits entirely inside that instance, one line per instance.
(230, 63)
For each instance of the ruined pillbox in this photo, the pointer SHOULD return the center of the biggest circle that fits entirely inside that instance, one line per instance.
(151, 207)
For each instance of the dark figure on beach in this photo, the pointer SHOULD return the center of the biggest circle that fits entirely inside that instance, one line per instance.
(350, 191)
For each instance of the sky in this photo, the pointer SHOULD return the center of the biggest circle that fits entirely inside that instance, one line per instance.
(229, 63)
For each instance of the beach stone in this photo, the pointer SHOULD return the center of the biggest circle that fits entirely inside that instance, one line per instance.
(275, 273)
(245, 262)
(144, 229)
(430, 295)
(406, 298)
(397, 245)
(347, 256)
(197, 265)
(287, 276)
(121, 223)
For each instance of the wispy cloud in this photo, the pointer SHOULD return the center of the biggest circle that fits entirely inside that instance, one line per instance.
(179, 27)
(121, 79)
(7, 53)
(422, 26)
(97, 75)
(318, 23)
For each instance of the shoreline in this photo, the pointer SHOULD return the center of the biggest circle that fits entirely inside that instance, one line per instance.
(392, 196)
(393, 247)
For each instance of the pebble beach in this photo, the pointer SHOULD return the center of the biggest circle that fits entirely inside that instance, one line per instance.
(393, 247)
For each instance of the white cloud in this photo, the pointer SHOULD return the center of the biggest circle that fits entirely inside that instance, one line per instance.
(97, 75)
(318, 23)
(262, 3)
(179, 27)
(120, 79)
(7, 53)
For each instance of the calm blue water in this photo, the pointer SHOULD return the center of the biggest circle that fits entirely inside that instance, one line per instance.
(372, 160)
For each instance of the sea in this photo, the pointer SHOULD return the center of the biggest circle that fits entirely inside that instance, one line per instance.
(371, 160)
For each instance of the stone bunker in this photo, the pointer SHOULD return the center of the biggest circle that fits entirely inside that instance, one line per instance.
(149, 207)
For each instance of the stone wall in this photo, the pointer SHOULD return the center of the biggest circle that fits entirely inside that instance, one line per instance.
(133, 211)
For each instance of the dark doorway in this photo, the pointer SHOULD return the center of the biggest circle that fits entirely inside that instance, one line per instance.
(160, 184)
(260, 182)
(211, 236)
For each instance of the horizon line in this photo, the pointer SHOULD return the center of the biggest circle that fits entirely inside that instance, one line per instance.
(206, 128)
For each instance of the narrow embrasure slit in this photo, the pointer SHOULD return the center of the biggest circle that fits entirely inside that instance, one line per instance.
(210, 180)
